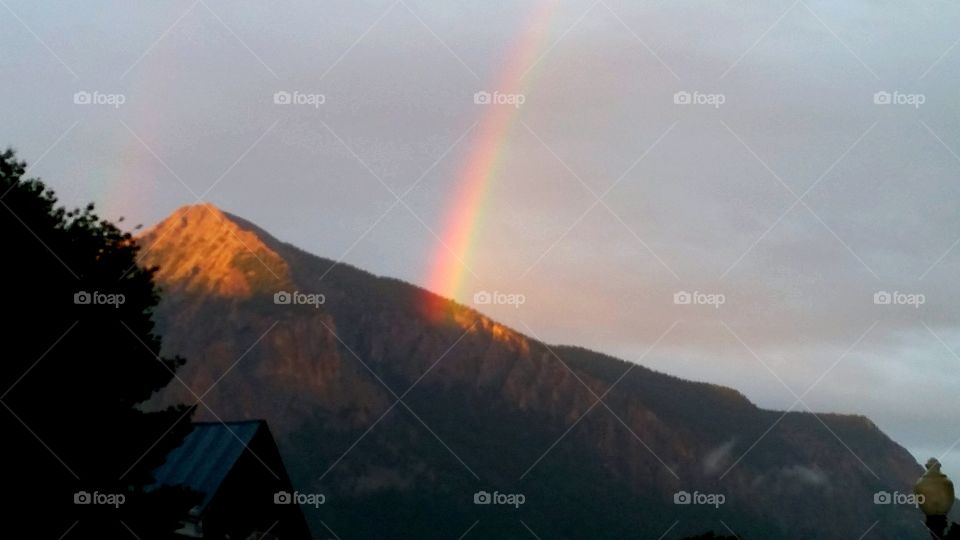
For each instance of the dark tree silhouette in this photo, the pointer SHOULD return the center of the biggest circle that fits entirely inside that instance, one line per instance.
(79, 357)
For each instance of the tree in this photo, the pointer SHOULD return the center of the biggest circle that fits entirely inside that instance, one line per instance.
(80, 358)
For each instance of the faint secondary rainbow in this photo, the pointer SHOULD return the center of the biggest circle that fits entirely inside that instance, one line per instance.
(128, 187)
(464, 214)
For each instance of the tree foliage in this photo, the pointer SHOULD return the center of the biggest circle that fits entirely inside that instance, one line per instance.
(80, 357)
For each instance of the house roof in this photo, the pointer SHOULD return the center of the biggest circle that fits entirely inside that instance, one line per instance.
(206, 456)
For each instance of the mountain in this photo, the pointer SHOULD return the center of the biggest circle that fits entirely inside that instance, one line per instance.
(399, 406)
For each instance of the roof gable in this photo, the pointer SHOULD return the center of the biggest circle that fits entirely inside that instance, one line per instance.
(206, 457)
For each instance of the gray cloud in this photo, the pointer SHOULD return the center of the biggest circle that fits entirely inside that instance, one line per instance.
(799, 285)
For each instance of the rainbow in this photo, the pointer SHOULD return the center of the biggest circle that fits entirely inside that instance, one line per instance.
(463, 217)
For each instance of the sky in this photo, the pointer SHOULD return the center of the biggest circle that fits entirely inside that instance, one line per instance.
(786, 163)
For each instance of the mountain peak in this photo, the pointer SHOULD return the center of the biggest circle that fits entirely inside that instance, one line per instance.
(200, 248)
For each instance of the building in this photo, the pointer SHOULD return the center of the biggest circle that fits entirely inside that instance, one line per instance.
(236, 468)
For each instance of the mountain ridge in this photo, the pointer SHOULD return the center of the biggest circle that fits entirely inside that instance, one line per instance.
(328, 375)
(236, 223)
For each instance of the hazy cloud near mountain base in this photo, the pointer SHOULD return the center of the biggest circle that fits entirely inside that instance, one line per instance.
(718, 458)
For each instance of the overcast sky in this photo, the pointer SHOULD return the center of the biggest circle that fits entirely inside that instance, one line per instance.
(788, 190)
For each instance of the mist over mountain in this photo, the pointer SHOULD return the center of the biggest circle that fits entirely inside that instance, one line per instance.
(400, 406)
